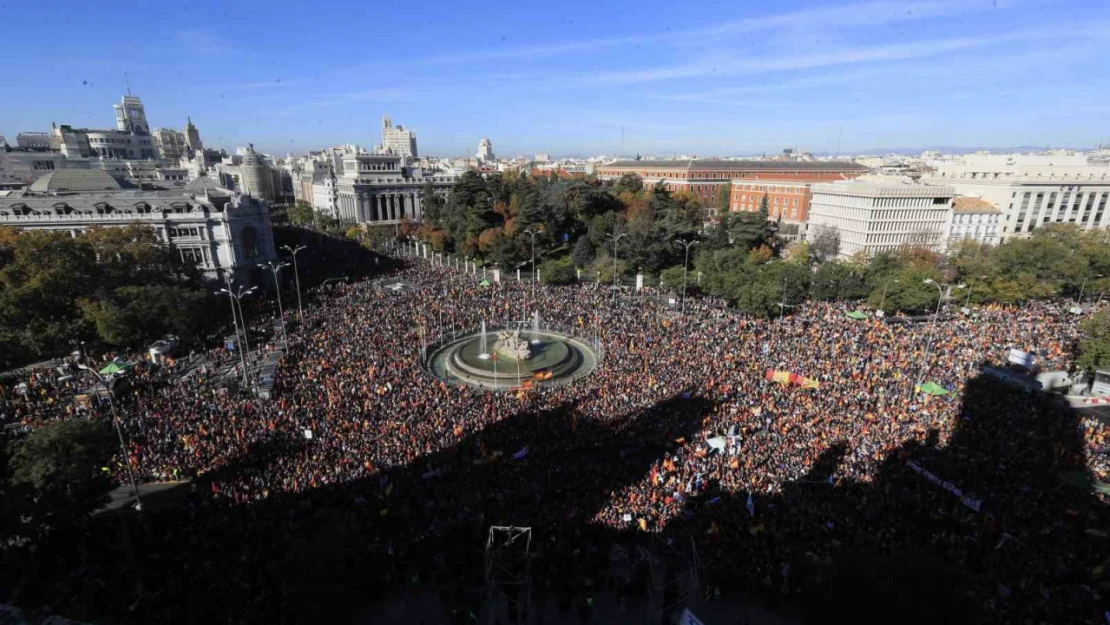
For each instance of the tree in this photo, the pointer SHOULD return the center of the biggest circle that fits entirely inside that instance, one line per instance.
(747, 230)
(583, 253)
(671, 277)
(1094, 343)
(558, 272)
(136, 315)
(724, 197)
(301, 214)
(838, 281)
(62, 465)
(824, 245)
(630, 183)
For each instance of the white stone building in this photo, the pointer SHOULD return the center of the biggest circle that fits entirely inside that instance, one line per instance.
(377, 188)
(225, 234)
(976, 219)
(171, 144)
(397, 140)
(875, 214)
(1031, 195)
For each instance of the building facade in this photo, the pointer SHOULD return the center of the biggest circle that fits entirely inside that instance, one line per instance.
(397, 140)
(1031, 193)
(975, 219)
(171, 144)
(376, 188)
(705, 178)
(880, 214)
(225, 234)
(485, 151)
(787, 203)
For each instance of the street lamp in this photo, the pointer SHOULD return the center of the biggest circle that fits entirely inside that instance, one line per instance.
(244, 350)
(1079, 302)
(277, 287)
(533, 233)
(685, 267)
(119, 433)
(929, 345)
(882, 303)
(615, 238)
(297, 275)
(325, 282)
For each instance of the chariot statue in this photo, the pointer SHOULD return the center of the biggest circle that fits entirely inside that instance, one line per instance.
(511, 346)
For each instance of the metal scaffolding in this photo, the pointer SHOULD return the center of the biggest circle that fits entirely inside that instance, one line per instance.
(508, 581)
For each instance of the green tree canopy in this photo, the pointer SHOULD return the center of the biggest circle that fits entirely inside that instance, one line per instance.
(1094, 343)
(62, 466)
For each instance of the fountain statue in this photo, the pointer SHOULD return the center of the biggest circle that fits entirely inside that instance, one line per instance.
(483, 350)
(511, 346)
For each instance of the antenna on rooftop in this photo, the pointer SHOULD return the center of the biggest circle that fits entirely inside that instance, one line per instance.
(127, 79)
(838, 136)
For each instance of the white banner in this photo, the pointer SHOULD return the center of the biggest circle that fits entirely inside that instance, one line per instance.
(970, 502)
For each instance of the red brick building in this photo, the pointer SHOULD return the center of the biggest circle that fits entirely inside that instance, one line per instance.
(705, 177)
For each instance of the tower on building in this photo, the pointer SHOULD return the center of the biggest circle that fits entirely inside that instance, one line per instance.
(192, 137)
(397, 140)
(131, 116)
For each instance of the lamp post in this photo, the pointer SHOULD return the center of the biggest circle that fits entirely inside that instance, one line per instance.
(1079, 302)
(882, 304)
(297, 275)
(322, 284)
(929, 345)
(244, 351)
(533, 235)
(685, 268)
(119, 433)
(615, 239)
(277, 287)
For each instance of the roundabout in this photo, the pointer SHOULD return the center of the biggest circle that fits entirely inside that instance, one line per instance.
(508, 359)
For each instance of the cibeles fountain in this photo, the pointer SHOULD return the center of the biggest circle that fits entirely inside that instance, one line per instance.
(515, 357)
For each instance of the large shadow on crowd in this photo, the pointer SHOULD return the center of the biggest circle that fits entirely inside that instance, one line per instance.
(898, 548)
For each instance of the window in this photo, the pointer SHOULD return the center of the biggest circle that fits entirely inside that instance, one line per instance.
(249, 240)
(192, 255)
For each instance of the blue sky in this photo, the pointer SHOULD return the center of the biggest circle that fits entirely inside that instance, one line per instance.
(694, 77)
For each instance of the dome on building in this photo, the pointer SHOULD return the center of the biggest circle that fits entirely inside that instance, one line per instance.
(75, 180)
(206, 184)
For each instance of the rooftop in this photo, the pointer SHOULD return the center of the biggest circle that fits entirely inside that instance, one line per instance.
(972, 205)
(718, 165)
(75, 180)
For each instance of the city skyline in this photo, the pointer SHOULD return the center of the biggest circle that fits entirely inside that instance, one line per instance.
(691, 80)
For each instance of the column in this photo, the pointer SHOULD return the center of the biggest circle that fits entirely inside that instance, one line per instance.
(379, 208)
(393, 206)
(401, 211)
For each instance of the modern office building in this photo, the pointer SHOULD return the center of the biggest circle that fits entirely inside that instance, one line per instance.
(485, 151)
(880, 213)
(224, 233)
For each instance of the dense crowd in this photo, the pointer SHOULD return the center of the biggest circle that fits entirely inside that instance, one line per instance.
(677, 433)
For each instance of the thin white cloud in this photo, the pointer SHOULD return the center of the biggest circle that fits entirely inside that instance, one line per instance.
(848, 16)
(830, 58)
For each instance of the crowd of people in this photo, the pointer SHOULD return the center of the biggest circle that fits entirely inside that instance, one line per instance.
(677, 435)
